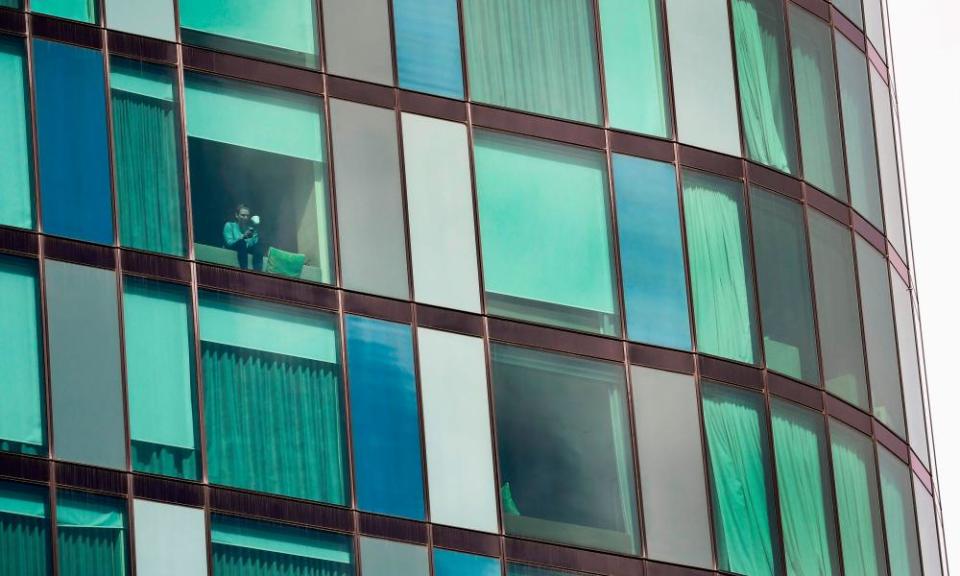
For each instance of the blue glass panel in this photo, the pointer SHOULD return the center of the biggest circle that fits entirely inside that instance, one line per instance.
(386, 431)
(449, 563)
(651, 253)
(72, 131)
(428, 46)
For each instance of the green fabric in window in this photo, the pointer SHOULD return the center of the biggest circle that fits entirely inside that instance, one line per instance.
(91, 535)
(899, 515)
(82, 10)
(766, 102)
(24, 530)
(16, 198)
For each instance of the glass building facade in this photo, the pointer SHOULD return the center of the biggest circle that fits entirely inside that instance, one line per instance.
(457, 287)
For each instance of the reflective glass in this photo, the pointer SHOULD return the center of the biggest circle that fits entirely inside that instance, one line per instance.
(92, 535)
(152, 18)
(389, 558)
(82, 10)
(524, 570)
(16, 164)
(889, 175)
(169, 539)
(898, 514)
(427, 34)
(929, 539)
(909, 367)
(873, 16)
(357, 39)
(24, 530)
(851, 9)
(450, 563)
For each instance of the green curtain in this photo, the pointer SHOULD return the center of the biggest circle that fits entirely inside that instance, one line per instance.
(91, 535)
(148, 173)
(852, 472)
(24, 531)
(274, 423)
(234, 561)
(535, 55)
(82, 10)
(16, 199)
(765, 99)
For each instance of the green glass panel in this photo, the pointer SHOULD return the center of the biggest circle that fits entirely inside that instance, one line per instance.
(24, 530)
(91, 535)
(898, 515)
(537, 55)
(766, 101)
(634, 64)
(852, 9)
(16, 174)
(818, 106)
(721, 274)
(82, 10)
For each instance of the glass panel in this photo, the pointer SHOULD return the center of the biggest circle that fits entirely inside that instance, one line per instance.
(372, 242)
(86, 386)
(158, 337)
(273, 398)
(443, 245)
(858, 131)
(539, 56)
(385, 416)
(16, 164)
(927, 520)
(651, 252)
(388, 558)
(258, 178)
(766, 101)
(744, 512)
(721, 271)
(563, 444)
(544, 228)
(898, 514)
(427, 34)
(783, 280)
(146, 148)
(23, 410)
(838, 312)
(450, 563)
(143, 17)
(456, 426)
(806, 497)
(82, 10)
(169, 539)
(357, 39)
(523, 570)
(703, 87)
(873, 15)
(282, 31)
(24, 530)
(91, 535)
(72, 135)
(889, 175)
(818, 106)
(671, 467)
(880, 337)
(909, 367)
(855, 481)
(634, 64)
(851, 9)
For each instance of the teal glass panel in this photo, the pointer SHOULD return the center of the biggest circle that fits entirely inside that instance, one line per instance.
(561, 480)
(766, 99)
(16, 158)
(910, 367)
(24, 530)
(23, 409)
(273, 399)
(390, 558)
(169, 539)
(539, 56)
(450, 563)
(161, 389)
(858, 508)
(744, 510)
(545, 232)
(147, 158)
(284, 31)
(651, 252)
(427, 35)
(16, 4)
(783, 280)
(153, 18)
(721, 270)
(852, 9)
(818, 106)
(82, 10)
(91, 535)
(634, 64)
(806, 494)
(899, 516)
(524, 570)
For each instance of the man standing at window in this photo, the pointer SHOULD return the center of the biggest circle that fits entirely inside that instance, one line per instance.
(241, 235)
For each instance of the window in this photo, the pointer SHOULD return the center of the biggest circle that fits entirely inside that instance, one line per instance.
(91, 534)
(161, 388)
(169, 539)
(258, 178)
(357, 39)
(450, 563)
(524, 570)
(427, 34)
(838, 310)
(385, 416)
(744, 510)
(766, 100)
(563, 444)
(721, 270)
(818, 106)
(86, 386)
(389, 558)
(852, 9)
(898, 514)
(909, 367)
(929, 539)
(152, 18)
(889, 175)
(806, 496)
(651, 252)
(873, 16)
(545, 232)
(704, 90)
(82, 10)
(273, 399)
(24, 529)
(23, 410)
(281, 31)
(783, 279)
(635, 69)
(16, 166)
(72, 135)
(147, 160)
(538, 56)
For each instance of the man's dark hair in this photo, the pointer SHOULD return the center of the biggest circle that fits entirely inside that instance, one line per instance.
(241, 206)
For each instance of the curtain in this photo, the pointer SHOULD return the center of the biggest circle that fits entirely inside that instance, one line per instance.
(86, 551)
(854, 505)
(16, 200)
(273, 423)
(24, 533)
(163, 460)
(895, 520)
(82, 10)
(148, 173)
(535, 55)
(234, 561)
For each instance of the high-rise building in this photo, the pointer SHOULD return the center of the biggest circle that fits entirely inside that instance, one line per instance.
(456, 287)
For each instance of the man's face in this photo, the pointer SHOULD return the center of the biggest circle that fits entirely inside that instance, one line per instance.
(243, 217)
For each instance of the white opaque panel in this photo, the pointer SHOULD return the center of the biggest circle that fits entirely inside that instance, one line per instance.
(889, 174)
(144, 17)
(171, 540)
(927, 524)
(873, 20)
(357, 39)
(909, 367)
(388, 558)
(440, 212)
(456, 422)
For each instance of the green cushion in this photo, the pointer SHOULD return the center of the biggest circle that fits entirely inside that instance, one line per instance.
(285, 263)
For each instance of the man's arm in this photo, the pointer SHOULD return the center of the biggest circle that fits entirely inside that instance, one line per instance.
(231, 234)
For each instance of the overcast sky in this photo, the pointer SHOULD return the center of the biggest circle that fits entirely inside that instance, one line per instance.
(925, 38)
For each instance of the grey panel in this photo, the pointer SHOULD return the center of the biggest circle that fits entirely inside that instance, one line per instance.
(357, 39)
(386, 558)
